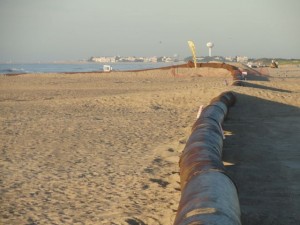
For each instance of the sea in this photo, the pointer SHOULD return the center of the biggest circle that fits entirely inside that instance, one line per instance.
(10, 68)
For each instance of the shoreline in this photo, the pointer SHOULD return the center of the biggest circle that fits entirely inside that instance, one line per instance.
(235, 66)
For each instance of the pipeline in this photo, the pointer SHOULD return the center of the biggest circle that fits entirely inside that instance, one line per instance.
(235, 72)
(208, 195)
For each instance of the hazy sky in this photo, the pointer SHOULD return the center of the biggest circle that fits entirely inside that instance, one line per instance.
(44, 30)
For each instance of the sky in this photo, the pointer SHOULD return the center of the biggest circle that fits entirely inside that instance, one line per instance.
(56, 30)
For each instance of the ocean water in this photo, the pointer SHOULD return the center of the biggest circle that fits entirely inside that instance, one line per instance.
(75, 67)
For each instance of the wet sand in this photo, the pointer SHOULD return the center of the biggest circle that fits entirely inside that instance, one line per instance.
(104, 148)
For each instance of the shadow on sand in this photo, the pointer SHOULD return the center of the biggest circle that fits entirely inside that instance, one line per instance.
(252, 74)
(252, 85)
(263, 148)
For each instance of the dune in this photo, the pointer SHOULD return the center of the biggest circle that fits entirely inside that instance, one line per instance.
(103, 148)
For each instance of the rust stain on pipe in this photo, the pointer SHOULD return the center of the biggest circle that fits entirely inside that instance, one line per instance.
(208, 195)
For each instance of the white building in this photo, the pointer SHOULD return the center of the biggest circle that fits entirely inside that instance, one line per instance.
(151, 59)
(242, 59)
(167, 59)
(104, 59)
(228, 58)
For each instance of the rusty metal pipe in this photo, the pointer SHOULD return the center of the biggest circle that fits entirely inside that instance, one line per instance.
(208, 195)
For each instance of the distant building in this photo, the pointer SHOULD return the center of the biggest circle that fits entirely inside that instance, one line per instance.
(103, 59)
(167, 59)
(151, 59)
(242, 59)
(127, 59)
(200, 59)
(113, 59)
(230, 59)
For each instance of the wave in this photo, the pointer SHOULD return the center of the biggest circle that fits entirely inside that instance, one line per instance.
(12, 70)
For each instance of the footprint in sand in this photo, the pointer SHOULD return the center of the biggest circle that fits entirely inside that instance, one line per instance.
(161, 182)
(134, 221)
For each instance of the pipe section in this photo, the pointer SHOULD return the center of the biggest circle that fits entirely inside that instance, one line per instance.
(208, 195)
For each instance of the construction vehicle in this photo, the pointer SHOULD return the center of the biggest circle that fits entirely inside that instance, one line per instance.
(274, 64)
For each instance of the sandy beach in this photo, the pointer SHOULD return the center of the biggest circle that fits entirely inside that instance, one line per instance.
(103, 148)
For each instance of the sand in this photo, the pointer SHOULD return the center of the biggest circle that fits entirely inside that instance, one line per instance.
(104, 148)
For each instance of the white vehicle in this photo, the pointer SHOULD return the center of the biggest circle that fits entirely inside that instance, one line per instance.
(251, 65)
(107, 68)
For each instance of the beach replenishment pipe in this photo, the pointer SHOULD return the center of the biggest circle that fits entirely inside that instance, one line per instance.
(208, 195)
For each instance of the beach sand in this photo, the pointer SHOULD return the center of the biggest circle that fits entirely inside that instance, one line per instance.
(103, 148)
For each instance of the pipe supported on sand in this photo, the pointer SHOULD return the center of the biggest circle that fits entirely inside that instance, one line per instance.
(236, 74)
(208, 195)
